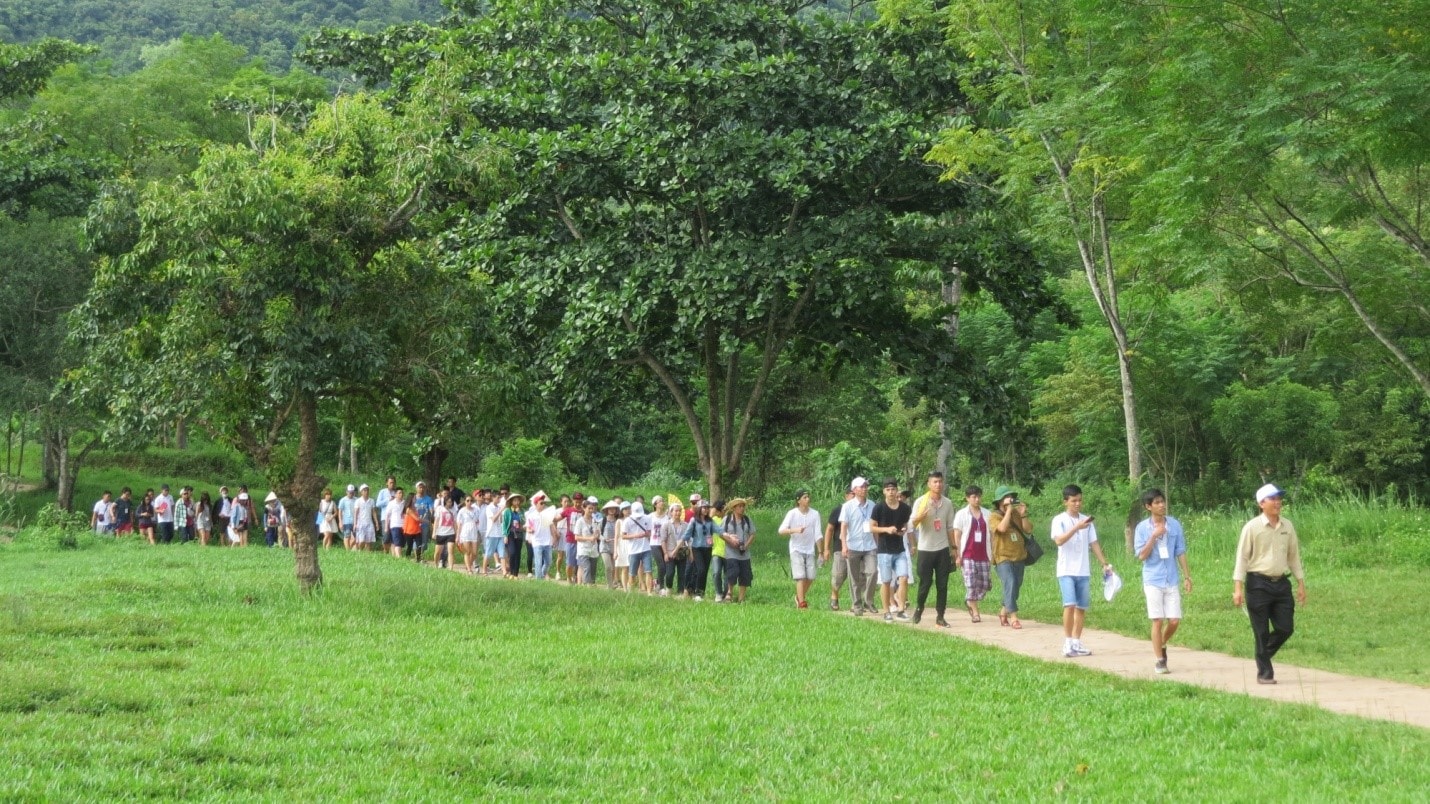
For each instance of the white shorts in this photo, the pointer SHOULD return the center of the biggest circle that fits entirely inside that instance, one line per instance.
(1163, 602)
(803, 566)
(364, 533)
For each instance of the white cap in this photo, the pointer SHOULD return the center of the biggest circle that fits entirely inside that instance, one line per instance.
(695, 497)
(857, 482)
(637, 509)
(657, 499)
(626, 505)
(363, 487)
(540, 495)
(351, 488)
(1266, 492)
(592, 501)
(243, 496)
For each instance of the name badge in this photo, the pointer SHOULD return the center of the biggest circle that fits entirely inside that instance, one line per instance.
(938, 526)
(978, 537)
(868, 527)
(1162, 551)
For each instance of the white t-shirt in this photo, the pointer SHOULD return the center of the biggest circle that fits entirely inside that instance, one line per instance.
(660, 530)
(467, 518)
(634, 524)
(101, 512)
(582, 529)
(804, 541)
(362, 513)
(489, 519)
(163, 508)
(1072, 554)
(444, 520)
(541, 525)
(392, 514)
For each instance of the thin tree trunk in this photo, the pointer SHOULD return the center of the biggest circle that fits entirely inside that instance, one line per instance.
(9, 442)
(952, 295)
(352, 453)
(303, 492)
(342, 444)
(181, 434)
(20, 464)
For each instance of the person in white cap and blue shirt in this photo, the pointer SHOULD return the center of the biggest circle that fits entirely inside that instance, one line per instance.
(856, 530)
(1267, 552)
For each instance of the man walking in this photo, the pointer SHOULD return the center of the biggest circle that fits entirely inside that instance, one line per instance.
(1267, 552)
(933, 517)
(1161, 546)
(856, 531)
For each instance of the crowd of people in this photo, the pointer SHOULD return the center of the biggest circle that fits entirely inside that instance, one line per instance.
(697, 546)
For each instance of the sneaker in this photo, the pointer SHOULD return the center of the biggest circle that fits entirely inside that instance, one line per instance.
(699, 599)
(858, 612)
(665, 593)
(1079, 650)
(1161, 667)
(833, 604)
(918, 615)
(1265, 680)
(901, 616)
(941, 623)
(888, 618)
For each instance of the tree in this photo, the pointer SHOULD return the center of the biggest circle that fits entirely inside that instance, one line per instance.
(255, 289)
(1044, 136)
(705, 187)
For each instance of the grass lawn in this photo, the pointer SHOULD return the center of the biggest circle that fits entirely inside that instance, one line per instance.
(183, 672)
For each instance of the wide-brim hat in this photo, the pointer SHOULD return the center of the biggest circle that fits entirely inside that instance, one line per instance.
(272, 497)
(1002, 493)
(515, 495)
(611, 504)
(738, 501)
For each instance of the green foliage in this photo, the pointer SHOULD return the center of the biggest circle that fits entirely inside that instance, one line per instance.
(269, 29)
(526, 465)
(53, 517)
(835, 466)
(1277, 431)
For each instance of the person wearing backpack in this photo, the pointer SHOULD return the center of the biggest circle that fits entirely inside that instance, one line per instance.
(514, 533)
(1010, 525)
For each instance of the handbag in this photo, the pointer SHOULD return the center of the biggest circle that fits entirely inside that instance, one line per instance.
(1035, 550)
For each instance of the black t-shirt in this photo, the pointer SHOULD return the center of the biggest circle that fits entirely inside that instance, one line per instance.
(123, 510)
(456, 495)
(883, 517)
(834, 520)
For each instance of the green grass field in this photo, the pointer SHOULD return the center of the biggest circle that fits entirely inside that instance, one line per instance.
(130, 671)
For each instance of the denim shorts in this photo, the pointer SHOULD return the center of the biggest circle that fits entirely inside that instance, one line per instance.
(493, 547)
(571, 557)
(639, 560)
(1076, 590)
(893, 565)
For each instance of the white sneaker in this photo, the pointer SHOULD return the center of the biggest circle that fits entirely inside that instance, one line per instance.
(1079, 650)
(665, 593)
(699, 599)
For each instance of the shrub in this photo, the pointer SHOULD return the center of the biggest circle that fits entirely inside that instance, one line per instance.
(526, 466)
(51, 516)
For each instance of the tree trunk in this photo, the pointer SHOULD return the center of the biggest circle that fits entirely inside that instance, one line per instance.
(9, 443)
(20, 464)
(48, 472)
(352, 453)
(432, 461)
(181, 434)
(342, 446)
(303, 492)
(952, 295)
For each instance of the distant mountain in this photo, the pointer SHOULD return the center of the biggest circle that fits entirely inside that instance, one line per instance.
(268, 29)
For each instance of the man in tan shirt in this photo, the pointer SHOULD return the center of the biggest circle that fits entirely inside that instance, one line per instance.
(1267, 552)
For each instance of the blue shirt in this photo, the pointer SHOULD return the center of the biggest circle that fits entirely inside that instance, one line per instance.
(1158, 571)
(857, 517)
(423, 506)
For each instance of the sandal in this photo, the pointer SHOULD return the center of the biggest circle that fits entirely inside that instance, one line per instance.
(1017, 625)
(1002, 619)
(833, 604)
(972, 615)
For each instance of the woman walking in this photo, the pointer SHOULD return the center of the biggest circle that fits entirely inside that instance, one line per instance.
(203, 518)
(610, 515)
(144, 515)
(328, 518)
(444, 529)
(1011, 526)
(514, 533)
(699, 536)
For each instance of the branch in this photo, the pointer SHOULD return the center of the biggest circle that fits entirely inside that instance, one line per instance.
(566, 219)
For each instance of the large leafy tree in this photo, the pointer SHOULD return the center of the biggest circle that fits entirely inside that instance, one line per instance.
(705, 188)
(262, 285)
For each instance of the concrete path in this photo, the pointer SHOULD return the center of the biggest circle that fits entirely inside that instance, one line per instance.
(1132, 658)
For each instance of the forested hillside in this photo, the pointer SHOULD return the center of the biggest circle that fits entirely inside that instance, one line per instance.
(267, 29)
(753, 245)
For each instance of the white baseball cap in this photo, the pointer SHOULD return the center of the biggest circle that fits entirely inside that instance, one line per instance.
(1266, 492)
(351, 487)
(857, 482)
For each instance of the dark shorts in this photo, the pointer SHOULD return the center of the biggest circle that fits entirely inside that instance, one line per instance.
(444, 539)
(738, 572)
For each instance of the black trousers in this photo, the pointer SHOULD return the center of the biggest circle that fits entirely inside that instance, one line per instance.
(1272, 609)
(698, 571)
(934, 565)
(672, 574)
(513, 554)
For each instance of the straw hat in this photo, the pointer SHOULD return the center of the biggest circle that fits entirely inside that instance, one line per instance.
(515, 495)
(730, 506)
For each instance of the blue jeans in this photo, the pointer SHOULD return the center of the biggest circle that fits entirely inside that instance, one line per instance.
(541, 560)
(1010, 577)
